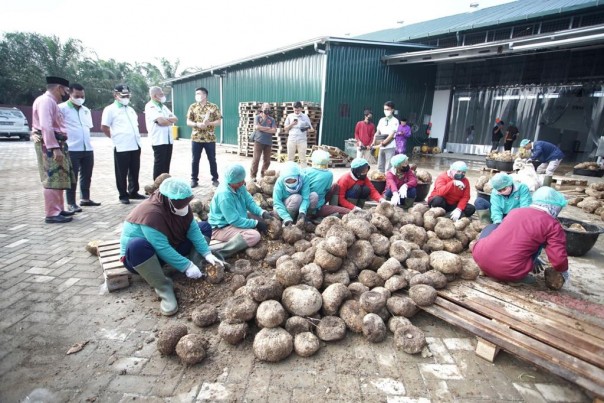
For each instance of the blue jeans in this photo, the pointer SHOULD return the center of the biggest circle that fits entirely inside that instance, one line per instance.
(481, 204)
(196, 149)
(140, 250)
(358, 192)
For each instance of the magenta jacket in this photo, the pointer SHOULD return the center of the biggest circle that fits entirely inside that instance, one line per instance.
(394, 182)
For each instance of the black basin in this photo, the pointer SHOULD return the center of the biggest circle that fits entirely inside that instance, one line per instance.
(579, 243)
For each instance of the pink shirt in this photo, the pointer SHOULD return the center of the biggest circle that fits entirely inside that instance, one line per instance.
(507, 252)
(47, 118)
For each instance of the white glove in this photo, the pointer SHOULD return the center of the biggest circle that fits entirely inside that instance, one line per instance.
(382, 200)
(456, 214)
(396, 199)
(459, 184)
(213, 260)
(193, 271)
(356, 208)
(403, 191)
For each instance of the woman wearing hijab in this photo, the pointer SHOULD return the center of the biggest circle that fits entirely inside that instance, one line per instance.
(162, 230)
(291, 194)
(320, 181)
(229, 214)
(505, 196)
(452, 192)
(354, 188)
(510, 251)
(400, 182)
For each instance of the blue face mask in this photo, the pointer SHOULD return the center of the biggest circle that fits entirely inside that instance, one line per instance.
(292, 185)
(459, 177)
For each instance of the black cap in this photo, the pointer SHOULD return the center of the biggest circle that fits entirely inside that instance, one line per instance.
(298, 104)
(122, 89)
(57, 80)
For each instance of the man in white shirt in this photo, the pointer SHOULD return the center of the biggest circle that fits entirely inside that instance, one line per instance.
(120, 123)
(78, 122)
(297, 125)
(159, 121)
(384, 137)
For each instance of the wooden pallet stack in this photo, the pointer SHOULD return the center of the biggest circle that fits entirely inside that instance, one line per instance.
(338, 158)
(280, 110)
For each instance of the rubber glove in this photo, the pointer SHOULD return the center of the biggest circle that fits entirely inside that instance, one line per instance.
(356, 208)
(261, 227)
(382, 200)
(266, 215)
(396, 199)
(403, 191)
(213, 260)
(539, 266)
(193, 271)
(459, 184)
(287, 223)
(566, 275)
(456, 214)
(301, 218)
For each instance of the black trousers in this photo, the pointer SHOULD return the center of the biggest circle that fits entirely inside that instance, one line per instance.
(196, 149)
(162, 156)
(127, 165)
(82, 163)
(439, 201)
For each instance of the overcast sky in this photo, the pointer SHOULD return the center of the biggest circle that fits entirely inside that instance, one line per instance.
(206, 33)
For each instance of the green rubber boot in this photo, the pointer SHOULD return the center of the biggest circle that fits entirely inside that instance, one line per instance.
(547, 180)
(408, 203)
(150, 270)
(233, 246)
(484, 216)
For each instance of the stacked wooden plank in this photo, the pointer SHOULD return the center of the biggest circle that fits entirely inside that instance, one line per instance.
(565, 342)
(116, 275)
(280, 110)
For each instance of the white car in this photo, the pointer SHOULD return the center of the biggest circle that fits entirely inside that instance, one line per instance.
(13, 123)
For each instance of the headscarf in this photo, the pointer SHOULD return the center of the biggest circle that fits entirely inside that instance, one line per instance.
(320, 159)
(292, 171)
(549, 200)
(357, 167)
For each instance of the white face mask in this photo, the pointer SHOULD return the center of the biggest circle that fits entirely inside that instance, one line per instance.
(78, 101)
(162, 99)
(199, 97)
(387, 113)
(124, 101)
(181, 211)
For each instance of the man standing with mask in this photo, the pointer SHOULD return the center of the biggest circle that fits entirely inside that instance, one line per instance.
(203, 117)
(297, 125)
(159, 120)
(120, 123)
(384, 137)
(78, 122)
(364, 133)
(52, 151)
(265, 127)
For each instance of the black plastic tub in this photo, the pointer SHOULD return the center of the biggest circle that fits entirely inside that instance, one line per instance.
(589, 172)
(380, 186)
(490, 163)
(579, 243)
(422, 190)
(504, 166)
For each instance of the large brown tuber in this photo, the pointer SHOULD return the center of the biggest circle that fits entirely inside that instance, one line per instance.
(240, 308)
(410, 339)
(341, 232)
(306, 344)
(312, 275)
(401, 306)
(243, 267)
(326, 260)
(257, 252)
(445, 262)
(302, 300)
(380, 244)
(190, 349)
(204, 315)
(400, 250)
(351, 314)
(273, 344)
(372, 301)
(423, 294)
(361, 253)
(233, 333)
(169, 336)
(262, 288)
(336, 246)
(370, 279)
(331, 328)
(292, 234)
(357, 289)
(297, 324)
(288, 273)
(360, 228)
(382, 223)
(374, 328)
(333, 297)
(396, 322)
(445, 229)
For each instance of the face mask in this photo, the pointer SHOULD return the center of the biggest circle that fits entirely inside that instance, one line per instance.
(77, 101)
(458, 177)
(124, 101)
(178, 211)
(387, 113)
(362, 176)
(405, 169)
(162, 99)
(292, 185)
(267, 111)
(65, 97)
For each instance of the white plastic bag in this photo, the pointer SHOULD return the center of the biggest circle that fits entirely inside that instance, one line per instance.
(527, 175)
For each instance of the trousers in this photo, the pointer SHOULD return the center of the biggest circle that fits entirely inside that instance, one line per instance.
(82, 163)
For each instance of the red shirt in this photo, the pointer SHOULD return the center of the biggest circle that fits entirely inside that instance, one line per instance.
(507, 252)
(453, 195)
(364, 133)
(346, 182)
(394, 182)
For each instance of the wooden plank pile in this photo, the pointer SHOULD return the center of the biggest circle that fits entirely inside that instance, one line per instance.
(555, 338)
(338, 158)
(116, 275)
(280, 110)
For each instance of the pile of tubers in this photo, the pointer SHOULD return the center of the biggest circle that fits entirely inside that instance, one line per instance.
(594, 201)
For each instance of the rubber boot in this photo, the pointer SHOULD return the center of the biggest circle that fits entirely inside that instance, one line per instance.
(547, 180)
(234, 245)
(484, 216)
(150, 270)
(408, 203)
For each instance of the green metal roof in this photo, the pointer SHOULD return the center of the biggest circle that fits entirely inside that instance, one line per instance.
(516, 11)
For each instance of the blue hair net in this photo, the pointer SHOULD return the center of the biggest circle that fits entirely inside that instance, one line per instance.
(398, 159)
(234, 173)
(320, 157)
(547, 195)
(175, 189)
(501, 180)
(459, 166)
(524, 142)
(358, 162)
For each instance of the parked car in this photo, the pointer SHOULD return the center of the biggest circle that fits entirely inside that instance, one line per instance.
(13, 123)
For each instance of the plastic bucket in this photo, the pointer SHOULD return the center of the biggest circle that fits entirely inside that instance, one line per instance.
(504, 166)
(579, 243)
(422, 190)
(490, 163)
